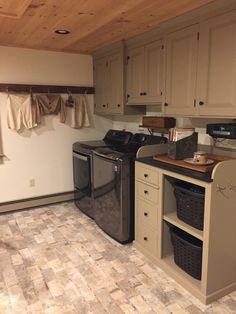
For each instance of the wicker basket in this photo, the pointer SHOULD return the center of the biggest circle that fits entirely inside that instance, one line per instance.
(187, 252)
(190, 203)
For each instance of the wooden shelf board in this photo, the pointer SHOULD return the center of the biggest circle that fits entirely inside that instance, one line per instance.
(178, 273)
(28, 88)
(158, 130)
(174, 220)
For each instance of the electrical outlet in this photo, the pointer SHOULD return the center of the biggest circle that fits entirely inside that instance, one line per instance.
(32, 182)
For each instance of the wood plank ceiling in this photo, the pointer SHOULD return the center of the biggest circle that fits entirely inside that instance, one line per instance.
(92, 23)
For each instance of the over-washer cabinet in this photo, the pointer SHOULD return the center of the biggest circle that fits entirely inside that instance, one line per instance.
(188, 68)
(155, 212)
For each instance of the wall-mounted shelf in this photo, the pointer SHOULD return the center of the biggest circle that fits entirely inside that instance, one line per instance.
(58, 89)
(152, 129)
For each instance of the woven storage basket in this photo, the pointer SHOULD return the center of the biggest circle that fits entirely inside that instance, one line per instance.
(187, 252)
(190, 203)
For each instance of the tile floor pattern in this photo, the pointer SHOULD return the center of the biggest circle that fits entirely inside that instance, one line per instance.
(55, 260)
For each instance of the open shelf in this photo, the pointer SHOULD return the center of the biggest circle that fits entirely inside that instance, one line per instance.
(174, 220)
(153, 129)
(178, 273)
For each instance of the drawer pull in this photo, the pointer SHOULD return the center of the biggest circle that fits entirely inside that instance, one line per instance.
(145, 175)
(145, 238)
(145, 192)
(145, 214)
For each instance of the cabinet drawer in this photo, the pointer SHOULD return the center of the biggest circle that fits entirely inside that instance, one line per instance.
(147, 238)
(146, 192)
(146, 213)
(147, 174)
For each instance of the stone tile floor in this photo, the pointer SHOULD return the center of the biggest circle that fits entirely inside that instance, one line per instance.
(54, 259)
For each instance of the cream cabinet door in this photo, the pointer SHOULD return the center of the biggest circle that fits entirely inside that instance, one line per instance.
(153, 72)
(135, 75)
(181, 70)
(100, 84)
(216, 82)
(115, 83)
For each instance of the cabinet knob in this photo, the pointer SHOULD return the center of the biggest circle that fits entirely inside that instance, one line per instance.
(145, 238)
(145, 214)
(145, 175)
(145, 192)
(144, 94)
(141, 94)
(118, 105)
(104, 105)
(165, 104)
(201, 103)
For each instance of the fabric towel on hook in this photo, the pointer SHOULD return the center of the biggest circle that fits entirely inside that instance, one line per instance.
(19, 112)
(52, 104)
(79, 113)
(1, 147)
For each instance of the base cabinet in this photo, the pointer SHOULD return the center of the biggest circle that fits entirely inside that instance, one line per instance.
(156, 215)
(146, 190)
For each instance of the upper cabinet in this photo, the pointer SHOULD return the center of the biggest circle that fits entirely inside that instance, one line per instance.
(192, 74)
(181, 70)
(100, 83)
(145, 74)
(109, 83)
(201, 69)
(216, 80)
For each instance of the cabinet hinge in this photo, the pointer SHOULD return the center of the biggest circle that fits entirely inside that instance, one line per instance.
(127, 59)
(162, 47)
(197, 35)
(161, 93)
(194, 102)
(127, 98)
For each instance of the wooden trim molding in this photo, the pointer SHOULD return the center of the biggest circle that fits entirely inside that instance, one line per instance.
(36, 201)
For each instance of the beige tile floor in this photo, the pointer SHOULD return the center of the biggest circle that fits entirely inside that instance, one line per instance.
(54, 259)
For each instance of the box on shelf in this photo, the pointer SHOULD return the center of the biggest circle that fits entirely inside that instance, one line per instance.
(183, 148)
(187, 252)
(158, 122)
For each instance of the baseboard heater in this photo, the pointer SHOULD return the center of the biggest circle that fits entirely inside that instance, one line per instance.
(36, 201)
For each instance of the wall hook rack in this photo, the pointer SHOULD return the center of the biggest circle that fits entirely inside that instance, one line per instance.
(54, 89)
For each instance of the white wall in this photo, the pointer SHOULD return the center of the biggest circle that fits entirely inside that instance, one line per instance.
(44, 153)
